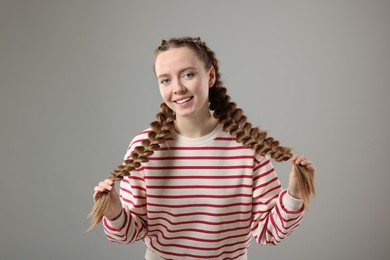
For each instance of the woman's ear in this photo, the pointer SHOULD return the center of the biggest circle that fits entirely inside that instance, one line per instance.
(212, 76)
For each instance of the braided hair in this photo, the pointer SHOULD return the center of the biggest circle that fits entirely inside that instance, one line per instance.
(233, 119)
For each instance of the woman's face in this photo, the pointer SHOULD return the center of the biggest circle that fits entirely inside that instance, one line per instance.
(184, 82)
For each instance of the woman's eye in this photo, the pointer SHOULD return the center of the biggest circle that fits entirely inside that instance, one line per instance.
(188, 75)
(164, 81)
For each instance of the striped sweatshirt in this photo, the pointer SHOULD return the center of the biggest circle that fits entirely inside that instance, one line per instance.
(203, 198)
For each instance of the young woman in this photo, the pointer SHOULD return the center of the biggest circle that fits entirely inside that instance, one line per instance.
(199, 183)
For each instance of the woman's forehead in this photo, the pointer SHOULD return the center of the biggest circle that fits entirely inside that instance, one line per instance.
(176, 58)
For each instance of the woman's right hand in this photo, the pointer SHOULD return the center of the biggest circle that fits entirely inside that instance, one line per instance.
(115, 208)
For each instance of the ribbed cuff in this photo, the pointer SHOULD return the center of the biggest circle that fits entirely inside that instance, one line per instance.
(116, 223)
(291, 204)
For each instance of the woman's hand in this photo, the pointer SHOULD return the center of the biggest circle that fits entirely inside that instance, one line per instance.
(293, 188)
(115, 208)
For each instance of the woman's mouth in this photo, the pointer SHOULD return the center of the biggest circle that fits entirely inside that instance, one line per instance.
(183, 101)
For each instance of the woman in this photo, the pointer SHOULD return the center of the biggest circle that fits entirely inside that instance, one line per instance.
(199, 182)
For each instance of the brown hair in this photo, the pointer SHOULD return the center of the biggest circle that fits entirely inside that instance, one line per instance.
(233, 119)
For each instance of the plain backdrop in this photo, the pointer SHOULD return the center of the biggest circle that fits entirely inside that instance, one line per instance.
(76, 85)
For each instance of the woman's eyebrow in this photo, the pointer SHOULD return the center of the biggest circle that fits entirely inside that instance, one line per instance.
(180, 71)
(162, 76)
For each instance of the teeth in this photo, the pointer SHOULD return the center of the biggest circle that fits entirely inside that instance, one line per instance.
(182, 101)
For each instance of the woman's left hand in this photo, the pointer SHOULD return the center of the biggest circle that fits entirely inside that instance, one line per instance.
(293, 188)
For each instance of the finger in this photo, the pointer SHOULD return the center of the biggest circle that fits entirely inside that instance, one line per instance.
(294, 158)
(96, 195)
(298, 159)
(109, 182)
(100, 189)
(105, 185)
(308, 165)
(305, 162)
(310, 168)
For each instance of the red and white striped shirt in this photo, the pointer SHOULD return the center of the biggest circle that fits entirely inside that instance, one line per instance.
(203, 198)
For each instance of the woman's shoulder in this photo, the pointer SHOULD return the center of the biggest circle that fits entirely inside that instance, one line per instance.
(136, 141)
(139, 137)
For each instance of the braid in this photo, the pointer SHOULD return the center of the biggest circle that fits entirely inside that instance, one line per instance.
(160, 130)
(235, 122)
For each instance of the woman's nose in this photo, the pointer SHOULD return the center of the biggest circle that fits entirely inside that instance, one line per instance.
(179, 88)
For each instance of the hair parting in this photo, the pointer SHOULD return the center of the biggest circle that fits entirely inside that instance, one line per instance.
(228, 114)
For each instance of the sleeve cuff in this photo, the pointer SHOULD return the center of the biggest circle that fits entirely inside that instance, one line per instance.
(291, 204)
(116, 224)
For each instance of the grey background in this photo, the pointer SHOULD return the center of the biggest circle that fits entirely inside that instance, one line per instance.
(77, 84)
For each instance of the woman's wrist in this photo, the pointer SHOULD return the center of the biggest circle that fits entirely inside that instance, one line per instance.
(295, 195)
(120, 214)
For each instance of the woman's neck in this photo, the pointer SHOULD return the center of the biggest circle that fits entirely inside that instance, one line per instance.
(195, 127)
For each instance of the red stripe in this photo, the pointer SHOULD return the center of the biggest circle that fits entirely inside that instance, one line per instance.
(131, 177)
(128, 227)
(201, 221)
(112, 228)
(270, 190)
(190, 148)
(200, 248)
(262, 233)
(261, 165)
(199, 213)
(266, 202)
(260, 220)
(283, 220)
(277, 230)
(132, 202)
(140, 140)
(198, 196)
(147, 131)
(132, 144)
(150, 231)
(264, 174)
(125, 235)
(134, 196)
(200, 157)
(195, 167)
(199, 177)
(199, 205)
(266, 183)
(199, 186)
(294, 227)
(200, 256)
(236, 257)
(196, 230)
(135, 187)
(284, 208)
(256, 160)
(273, 240)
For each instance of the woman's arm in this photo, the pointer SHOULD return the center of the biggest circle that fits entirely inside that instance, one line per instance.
(276, 212)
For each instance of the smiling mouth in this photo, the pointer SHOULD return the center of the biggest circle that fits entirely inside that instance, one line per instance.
(182, 101)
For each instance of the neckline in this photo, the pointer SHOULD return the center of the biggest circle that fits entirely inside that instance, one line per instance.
(196, 141)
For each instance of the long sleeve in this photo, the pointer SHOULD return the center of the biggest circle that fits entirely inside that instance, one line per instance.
(132, 223)
(275, 213)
